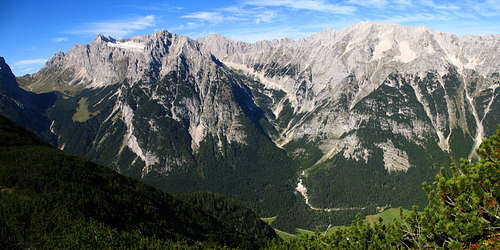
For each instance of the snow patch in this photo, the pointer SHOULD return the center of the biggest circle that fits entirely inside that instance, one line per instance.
(128, 45)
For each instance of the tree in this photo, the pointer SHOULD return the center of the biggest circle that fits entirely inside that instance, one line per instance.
(463, 204)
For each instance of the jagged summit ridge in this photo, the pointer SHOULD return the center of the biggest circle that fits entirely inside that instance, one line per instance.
(106, 60)
(371, 99)
(330, 55)
(322, 70)
(314, 73)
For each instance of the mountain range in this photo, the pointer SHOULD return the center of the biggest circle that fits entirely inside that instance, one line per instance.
(312, 131)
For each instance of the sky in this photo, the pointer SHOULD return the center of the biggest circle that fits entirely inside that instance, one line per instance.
(33, 31)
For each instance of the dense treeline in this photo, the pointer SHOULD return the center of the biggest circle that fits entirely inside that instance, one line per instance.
(244, 222)
(462, 212)
(49, 199)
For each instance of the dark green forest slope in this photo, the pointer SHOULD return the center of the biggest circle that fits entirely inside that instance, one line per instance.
(49, 199)
(463, 212)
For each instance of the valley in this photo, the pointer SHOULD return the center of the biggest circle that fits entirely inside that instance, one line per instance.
(327, 126)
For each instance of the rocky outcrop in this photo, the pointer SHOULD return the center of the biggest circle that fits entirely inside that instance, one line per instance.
(375, 96)
(327, 77)
(23, 107)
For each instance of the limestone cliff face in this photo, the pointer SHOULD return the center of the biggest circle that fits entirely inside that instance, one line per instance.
(376, 96)
(172, 73)
(411, 81)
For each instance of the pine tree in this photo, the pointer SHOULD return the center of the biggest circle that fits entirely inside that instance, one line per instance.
(463, 202)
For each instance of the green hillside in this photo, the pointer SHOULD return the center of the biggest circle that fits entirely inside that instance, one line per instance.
(49, 199)
(388, 215)
(462, 213)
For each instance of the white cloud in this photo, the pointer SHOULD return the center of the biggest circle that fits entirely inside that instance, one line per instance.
(403, 2)
(30, 62)
(315, 5)
(118, 27)
(212, 17)
(27, 66)
(487, 8)
(208, 16)
(369, 3)
(433, 5)
(59, 39)
(186, 26)
(412, 18)
(265, 17)
(238, 11)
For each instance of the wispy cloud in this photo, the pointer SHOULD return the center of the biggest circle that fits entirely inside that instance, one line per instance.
(59, 39)
(369, 3)
(403, 2)
(27, 66)
(117, 27)
(208, 16)
(433, 5)
(489, 8)
(314, 5)
(265, 17)
(30, 62)
(152, 7)
(413, 18)
(186, 26)
(212, 17)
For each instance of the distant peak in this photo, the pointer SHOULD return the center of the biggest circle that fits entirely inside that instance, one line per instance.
(103, 38)
(58, 57)
(162, 33)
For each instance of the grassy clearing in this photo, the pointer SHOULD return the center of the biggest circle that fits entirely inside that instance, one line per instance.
(269, 220)
(285, 235)
(387, 216)
(303, 231)
(82, 113)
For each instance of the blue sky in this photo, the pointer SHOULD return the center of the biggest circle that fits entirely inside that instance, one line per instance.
(33, 31)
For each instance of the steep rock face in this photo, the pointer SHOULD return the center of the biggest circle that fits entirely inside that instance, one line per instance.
(22, 106)
(163, 109)
(344, 67)
(368, 113)
(171, 71)
(374, 95)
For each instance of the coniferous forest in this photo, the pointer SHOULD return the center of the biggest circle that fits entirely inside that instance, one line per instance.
(49, 199)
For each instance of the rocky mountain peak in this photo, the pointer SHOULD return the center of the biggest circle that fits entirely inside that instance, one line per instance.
(4, 68)
(8, 83)
(103, 38)
(371, 98)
